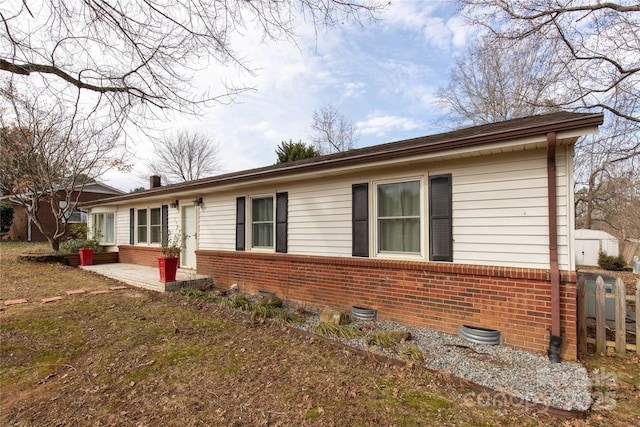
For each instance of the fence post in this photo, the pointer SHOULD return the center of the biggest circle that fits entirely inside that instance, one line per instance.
(621, 315)
(582, 314)
(601, 332)
(638, 317)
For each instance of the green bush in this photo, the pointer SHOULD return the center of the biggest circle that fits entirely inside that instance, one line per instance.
(6, 216)
(611, 263)
(72, 246)
(79, 230)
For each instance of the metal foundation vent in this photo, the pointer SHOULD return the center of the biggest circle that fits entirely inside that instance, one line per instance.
(360, 313)
(480, 335)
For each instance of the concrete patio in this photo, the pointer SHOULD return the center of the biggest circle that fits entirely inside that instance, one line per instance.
(148, 277)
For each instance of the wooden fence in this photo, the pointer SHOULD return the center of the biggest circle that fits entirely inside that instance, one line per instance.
(594, 330)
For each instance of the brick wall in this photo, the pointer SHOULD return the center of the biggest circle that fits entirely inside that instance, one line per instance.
(142, 255)
(441, 296)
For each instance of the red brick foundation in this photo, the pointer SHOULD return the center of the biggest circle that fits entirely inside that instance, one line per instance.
(141, 255)
(441, 296)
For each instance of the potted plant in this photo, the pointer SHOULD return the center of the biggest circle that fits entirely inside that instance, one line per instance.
(168, 262)
(80, 243)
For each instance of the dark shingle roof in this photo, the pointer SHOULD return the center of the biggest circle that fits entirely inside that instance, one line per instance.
(467, 137)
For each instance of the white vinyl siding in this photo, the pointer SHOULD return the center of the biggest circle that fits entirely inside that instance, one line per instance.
(500, 211)
(320, 219)
(122, 226)
(217, 223)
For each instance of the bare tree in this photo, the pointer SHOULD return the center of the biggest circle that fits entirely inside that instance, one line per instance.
(605, 165)
(582, 57)
(495, 81)
(48, 155)
(598, 46)
(184, 156)
(134, 55)
(332, 131)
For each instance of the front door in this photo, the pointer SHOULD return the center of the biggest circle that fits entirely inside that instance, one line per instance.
(189, 228)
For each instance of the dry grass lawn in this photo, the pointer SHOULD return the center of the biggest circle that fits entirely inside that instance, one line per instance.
(134, 357)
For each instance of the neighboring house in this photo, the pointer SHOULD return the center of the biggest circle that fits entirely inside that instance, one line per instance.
(22, 228)
(470, 227)
(589, 244)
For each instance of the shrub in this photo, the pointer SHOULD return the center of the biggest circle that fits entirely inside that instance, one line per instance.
(611, 263)
(6, 216)
(332, 330)
(79, 230)
(72, 246)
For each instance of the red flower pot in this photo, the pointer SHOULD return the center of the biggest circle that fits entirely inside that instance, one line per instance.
(86, 256)
(168, 268)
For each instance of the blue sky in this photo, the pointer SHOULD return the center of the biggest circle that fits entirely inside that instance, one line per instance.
(383, 76)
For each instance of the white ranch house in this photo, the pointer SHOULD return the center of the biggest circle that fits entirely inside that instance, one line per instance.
(471, 227)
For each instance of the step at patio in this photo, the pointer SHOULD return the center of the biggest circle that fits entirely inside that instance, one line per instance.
(149, 278)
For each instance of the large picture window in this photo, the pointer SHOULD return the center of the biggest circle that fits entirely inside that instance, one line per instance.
(104, 228)
(398, 217)
(262, 222)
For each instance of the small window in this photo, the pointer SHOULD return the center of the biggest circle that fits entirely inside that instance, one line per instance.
(142, 226)
(398, 217)
(104, 228)
(155, 225)
(72, 216)
(262, 222)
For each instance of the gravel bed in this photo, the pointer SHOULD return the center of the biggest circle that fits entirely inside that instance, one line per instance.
(517, 376)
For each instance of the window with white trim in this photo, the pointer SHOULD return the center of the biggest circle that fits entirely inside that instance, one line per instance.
(74, 216)
(149, 225)
(262, 224)
(104, 228)
(155, 225)
(399, 217)
(142, 226)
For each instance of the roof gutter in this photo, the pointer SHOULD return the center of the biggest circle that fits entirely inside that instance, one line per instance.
(556, 339)
(394, 150)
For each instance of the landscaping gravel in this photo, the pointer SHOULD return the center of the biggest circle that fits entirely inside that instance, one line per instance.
(517, 376)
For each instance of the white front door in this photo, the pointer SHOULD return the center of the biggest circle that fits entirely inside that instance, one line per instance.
(190, 230)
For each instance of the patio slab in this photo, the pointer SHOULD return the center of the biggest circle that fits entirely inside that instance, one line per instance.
(148, 277)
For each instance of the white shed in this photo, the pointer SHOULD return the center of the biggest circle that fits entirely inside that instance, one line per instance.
(589, 243)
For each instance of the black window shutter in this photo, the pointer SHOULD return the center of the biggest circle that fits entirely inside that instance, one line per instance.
(440, 218)
(165, 225)
(282, 201)
(240, 223)
(360, 219)
(132, 226)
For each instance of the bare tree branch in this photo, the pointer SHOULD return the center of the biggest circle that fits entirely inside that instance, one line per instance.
(184, 156)
(332, 131)
(145, 53)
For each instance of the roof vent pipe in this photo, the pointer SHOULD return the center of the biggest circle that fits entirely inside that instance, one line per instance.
(154, 181)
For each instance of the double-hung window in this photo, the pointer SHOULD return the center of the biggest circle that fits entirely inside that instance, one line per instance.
(155, 225)
(104, 228)
(267, 224)
(262, 222)
(142, 226)
(149, 225)
(399, 210)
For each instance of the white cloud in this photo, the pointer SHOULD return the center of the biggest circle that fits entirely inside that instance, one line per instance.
(381, 125)
(354, 89)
